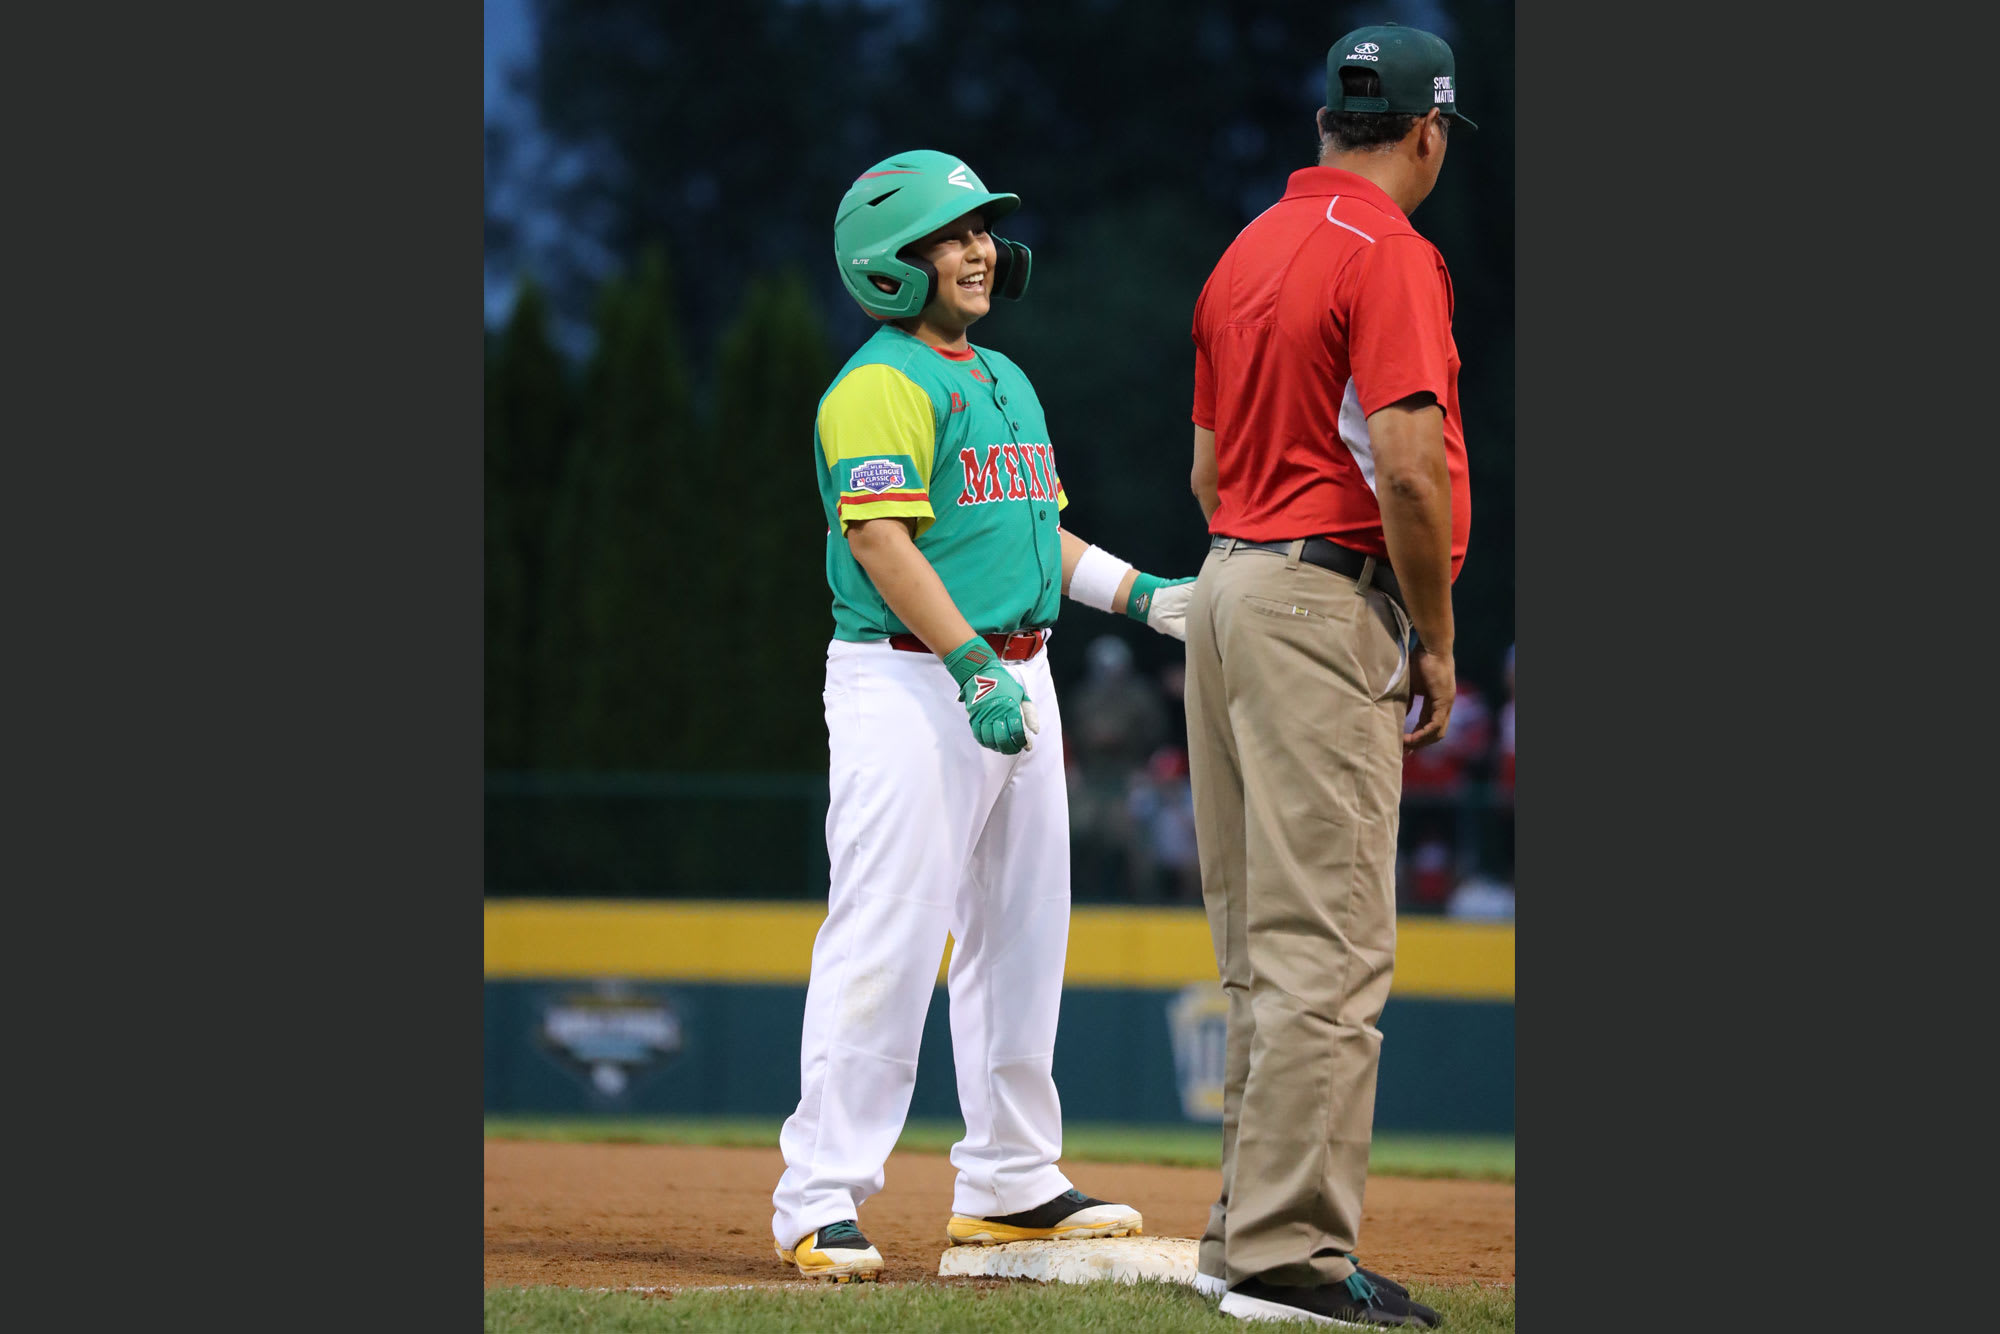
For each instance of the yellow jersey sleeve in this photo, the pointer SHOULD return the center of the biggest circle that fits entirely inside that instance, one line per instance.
(878, 435)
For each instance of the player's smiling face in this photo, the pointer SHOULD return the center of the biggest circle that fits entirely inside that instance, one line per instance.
(963, 255)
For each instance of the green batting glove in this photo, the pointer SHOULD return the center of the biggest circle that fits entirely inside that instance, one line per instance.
(1161, 603)
(1002, 716)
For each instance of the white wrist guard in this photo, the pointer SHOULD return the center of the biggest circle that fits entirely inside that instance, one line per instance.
(1095, 580)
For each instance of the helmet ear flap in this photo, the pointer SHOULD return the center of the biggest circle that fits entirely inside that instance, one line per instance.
(931, 275)
(925, 267)
(1011, 263)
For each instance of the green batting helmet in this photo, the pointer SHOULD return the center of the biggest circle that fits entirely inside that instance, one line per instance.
(903, 199)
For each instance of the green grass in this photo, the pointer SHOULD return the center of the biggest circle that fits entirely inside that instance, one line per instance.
(1472, 1157)
(1017, 1308)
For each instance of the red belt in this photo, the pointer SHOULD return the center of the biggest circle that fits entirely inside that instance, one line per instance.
(1019, 646)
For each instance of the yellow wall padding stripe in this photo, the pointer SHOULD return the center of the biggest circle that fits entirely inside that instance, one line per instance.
(691, 941)
(682, 940)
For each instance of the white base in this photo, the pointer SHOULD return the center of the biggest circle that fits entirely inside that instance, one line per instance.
(1119, 1259)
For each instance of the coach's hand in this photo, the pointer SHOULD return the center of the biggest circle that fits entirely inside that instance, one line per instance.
(999, 710)
(1436, 679)
(1161, 603)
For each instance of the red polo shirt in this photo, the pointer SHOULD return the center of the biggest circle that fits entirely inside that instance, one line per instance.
(1327, 307)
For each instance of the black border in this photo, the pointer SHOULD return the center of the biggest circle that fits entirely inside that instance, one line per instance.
(1702, 382)
(248, 872)
(322, 563)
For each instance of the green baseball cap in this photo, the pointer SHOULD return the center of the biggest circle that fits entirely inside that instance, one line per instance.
(1415, 68)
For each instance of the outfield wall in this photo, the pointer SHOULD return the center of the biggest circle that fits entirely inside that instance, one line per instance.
(693, 1008)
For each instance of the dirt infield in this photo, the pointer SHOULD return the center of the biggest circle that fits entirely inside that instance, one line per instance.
(640, 1215)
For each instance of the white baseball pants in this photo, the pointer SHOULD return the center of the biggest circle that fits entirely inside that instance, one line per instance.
(928, 832)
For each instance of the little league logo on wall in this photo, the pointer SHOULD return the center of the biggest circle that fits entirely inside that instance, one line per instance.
(876, 475)
(609, 1034)
(1198, 1020)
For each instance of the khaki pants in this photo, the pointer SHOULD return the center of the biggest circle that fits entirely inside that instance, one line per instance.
(1297, 686)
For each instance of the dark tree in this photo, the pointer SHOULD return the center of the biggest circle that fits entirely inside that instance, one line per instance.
(530, 415)
(773, 368)
(625, 581)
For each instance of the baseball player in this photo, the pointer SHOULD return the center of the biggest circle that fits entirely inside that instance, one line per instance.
(948, 812)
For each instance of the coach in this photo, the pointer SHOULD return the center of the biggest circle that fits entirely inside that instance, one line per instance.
(1330, 463)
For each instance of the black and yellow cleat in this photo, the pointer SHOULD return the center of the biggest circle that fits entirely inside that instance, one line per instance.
(837, 1252)
(1070, 1216)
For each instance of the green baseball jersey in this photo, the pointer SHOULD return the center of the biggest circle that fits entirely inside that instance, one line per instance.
(956, 442)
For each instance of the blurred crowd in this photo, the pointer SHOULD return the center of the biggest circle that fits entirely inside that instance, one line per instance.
(1132, 830)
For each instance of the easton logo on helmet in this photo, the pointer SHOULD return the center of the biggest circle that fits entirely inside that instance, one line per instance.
(957, 176)
(876, 475)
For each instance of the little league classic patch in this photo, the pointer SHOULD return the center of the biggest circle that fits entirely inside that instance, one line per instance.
(876, 475)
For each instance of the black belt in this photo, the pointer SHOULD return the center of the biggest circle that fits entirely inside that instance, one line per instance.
(1330, 556)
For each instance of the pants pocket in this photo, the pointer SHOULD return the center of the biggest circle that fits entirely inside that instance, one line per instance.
(1383, 613)
(1373, 627)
